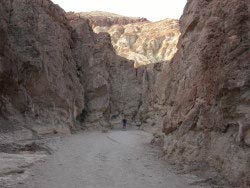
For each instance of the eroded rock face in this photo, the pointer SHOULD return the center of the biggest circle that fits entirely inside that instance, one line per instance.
(208, 84)
(109, 80)
(137, 39)
(40, 89)
(153, 108)
(145, 42)
(56, 72)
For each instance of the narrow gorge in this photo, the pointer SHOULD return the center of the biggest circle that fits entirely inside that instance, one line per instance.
(65, 77)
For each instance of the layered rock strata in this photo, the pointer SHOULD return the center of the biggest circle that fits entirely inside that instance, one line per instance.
(137, 39)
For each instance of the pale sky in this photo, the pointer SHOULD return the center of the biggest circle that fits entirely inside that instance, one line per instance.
(153, 10)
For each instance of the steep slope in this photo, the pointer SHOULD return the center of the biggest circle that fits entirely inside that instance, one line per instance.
(137, 39)
(153, 106)
(109, 80)
(40, 89)
(55, 71)
(207, 95)
(145, 43)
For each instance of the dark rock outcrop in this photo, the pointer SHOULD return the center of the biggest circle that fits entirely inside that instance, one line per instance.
(109, 80)
(40, 89)
(208, 89)
(55, 73)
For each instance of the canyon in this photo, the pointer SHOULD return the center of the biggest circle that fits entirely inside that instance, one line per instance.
(187, 82)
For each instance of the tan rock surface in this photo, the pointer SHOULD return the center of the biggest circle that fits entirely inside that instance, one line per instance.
(137, 39)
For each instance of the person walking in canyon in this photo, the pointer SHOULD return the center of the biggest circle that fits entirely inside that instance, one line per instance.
(124, 123)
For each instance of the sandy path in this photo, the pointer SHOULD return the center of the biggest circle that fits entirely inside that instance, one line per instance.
(118, 159)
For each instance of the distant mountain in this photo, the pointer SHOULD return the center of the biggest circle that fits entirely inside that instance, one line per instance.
(106, 19)
(134, 38)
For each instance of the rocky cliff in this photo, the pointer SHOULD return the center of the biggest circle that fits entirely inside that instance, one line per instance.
(137, 39)
(40, 90)
(55, 72)
(108, 79)
(207, 97)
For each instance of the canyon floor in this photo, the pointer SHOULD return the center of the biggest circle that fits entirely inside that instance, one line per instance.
(117, 159)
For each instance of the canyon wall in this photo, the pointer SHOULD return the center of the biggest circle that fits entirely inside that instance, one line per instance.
(56, 75)
(153, 108)
(108, 79)
(40, 91)
(208, 90)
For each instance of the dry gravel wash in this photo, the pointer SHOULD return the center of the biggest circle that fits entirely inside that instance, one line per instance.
(117, 159)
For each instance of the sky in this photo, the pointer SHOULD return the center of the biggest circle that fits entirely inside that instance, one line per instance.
(153, 10)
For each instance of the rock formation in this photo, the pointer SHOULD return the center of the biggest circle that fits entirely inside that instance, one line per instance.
(55, 70)
(153, 106)
(40, 90)
(135, 38)
(207, 89)
(109, 80)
